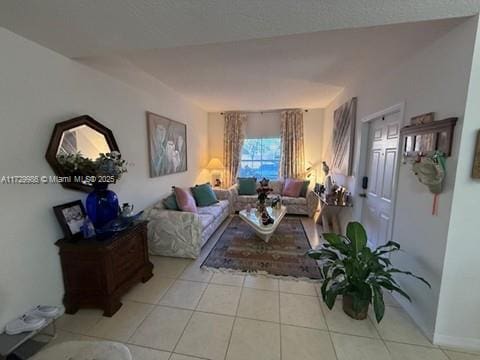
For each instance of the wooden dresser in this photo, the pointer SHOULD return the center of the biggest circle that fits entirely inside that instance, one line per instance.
(98, 271)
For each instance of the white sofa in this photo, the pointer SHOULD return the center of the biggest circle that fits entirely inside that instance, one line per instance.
(182, 234)
(295, 205)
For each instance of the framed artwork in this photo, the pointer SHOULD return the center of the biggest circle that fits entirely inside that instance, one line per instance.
(344, 119)
(71, 217)
(167, 144)
(476, 159)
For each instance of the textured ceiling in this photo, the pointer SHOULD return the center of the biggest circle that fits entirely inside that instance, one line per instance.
(306, 70)
(237, 54)
(92, 27)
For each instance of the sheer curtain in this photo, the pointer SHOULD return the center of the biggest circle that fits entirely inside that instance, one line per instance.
(292, 161)
(234, 135)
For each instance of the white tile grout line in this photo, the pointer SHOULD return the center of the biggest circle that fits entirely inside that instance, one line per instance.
(189, 356)
(280, 321)
(150, 312)
(188, 322)
(328, 328)
(234, 321)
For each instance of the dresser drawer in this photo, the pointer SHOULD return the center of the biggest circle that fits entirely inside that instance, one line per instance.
(128, 257)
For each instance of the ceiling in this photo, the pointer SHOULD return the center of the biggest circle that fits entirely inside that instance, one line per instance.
(306, 70)
(93, 27)
(237, 54)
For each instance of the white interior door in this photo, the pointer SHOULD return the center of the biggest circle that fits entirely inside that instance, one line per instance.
(383, 138)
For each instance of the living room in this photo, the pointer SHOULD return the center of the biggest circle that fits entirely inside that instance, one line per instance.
(192, 68)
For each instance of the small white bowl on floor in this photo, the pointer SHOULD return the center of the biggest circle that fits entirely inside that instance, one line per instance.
(85, 350)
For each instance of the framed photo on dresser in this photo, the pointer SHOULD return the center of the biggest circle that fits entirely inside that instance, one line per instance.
(71, 217)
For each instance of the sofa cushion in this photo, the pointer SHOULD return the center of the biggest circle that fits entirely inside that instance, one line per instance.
(185, 200)
(287, 200)
(215, 209)
(277, 186)
(170, 202)
(292, 187)
(303, 192)
(205, 220)
(247, 186)
(204, 195)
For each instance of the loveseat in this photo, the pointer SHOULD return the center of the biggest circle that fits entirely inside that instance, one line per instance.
(295, 205)
(182, 234)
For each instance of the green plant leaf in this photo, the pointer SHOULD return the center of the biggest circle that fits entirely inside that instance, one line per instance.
(330, 298)
(320, 254)
(332, 292)
(390, 286)
(386, 261)
(357, 235)
(378, 304)
(334, 240)
(411, 274)
(323, 289)
(389, 244)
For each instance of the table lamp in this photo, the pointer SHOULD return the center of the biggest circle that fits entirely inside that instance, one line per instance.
(215, 166)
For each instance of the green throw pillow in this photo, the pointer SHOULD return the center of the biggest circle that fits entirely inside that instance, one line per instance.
(247, 186)
(303, 192)
(204, 195)
(170, 202)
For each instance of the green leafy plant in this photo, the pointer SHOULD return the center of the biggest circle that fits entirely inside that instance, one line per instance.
(109, 164)
(352, 269)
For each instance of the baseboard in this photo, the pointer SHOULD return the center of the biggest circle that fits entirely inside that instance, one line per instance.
(461, 343)
(405, 305)
(457, 342)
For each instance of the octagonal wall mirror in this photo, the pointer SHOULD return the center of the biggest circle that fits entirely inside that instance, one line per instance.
(82, 135)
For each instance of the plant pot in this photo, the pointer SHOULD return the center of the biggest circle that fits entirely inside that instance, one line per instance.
(347, 305)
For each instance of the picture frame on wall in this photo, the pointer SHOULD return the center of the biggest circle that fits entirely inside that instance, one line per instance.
(344, 119)
(476, 159)
(71, 217)
(167, 145)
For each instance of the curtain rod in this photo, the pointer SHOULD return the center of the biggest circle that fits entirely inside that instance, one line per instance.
(262, 111)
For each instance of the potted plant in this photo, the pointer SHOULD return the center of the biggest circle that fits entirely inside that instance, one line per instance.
(356, 272)
(109, 166)
(102, 204)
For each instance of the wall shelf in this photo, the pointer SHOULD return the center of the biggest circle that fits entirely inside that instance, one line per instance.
(424, 138)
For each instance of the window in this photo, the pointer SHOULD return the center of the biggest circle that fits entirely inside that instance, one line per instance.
(260, 158)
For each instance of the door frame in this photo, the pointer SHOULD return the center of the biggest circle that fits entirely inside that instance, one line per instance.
(365, 124)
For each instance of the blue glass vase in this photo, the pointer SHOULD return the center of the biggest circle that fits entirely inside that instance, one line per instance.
(102, 205)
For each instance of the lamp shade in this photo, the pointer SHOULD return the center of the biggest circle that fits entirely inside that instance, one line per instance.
(214, 164)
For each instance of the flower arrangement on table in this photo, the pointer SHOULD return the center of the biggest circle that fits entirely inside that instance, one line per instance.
(107, 168)
(101, 203)
(263, 190)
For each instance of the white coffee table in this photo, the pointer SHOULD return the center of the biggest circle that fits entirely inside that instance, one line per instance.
(254, 219)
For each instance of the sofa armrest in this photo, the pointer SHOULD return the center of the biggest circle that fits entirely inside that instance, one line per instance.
(222, 194)
(312, 203)
(174, 233)
(233, 189)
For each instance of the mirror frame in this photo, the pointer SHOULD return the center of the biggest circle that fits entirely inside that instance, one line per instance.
(56, 137)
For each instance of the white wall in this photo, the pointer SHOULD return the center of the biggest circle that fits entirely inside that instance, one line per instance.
(457, 320)
(215, 135)
(37, 89)
(268, 125)
(435, 79)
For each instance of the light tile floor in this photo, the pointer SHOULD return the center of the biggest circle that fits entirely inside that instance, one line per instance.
(186, 313)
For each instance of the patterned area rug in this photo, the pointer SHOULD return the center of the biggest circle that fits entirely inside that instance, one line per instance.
(240, 249)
